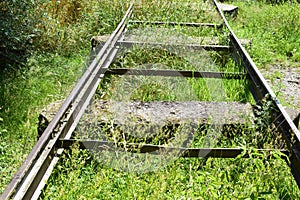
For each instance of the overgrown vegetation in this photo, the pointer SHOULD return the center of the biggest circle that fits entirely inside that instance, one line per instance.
(58, 33)
(58, 55)
(17, 32)
(194, 178)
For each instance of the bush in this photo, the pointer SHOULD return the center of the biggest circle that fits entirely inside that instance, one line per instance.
(17, 30)
(53, 26)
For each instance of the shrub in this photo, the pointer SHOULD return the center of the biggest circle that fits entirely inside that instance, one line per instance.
(16, 31)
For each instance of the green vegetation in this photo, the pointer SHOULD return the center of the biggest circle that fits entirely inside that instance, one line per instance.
(60, 32)
(179, 88)
(194, 178)
(55, 61)
(273, 29)
(17, 32)
(178, 11)
(24, 93)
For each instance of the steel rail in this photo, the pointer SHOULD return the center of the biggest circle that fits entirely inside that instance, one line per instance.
(261, 90)
(28, 176)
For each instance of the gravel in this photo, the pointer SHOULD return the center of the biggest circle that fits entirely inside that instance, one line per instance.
(286, 85)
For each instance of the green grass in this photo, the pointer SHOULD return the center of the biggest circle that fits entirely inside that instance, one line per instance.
(59, 61)
(171, 88)
(178, 11)
(183, 179)
(58, 58)
(25, 92)
(273, 29)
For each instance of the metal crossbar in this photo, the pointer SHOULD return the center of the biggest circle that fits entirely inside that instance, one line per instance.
(176, 73)
(180, 151)
(175, 23)
(129, 44)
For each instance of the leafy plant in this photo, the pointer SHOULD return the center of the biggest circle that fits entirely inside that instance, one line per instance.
(17, 31)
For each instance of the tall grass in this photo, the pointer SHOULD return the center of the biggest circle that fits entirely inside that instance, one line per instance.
(60, 47)
(68, 25)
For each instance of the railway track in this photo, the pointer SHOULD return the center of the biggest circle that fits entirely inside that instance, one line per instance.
(30, 179)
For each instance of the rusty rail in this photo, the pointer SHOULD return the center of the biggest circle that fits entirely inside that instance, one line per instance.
(260, 89)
